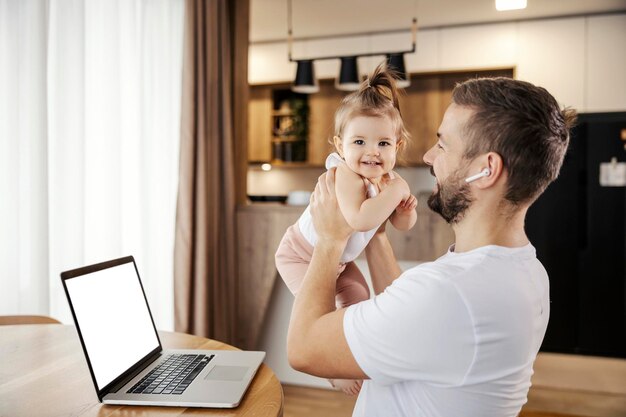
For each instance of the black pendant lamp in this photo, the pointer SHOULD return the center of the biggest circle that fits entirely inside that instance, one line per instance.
(348, 80)
(348, 74)
(395, 62)
(305, 78)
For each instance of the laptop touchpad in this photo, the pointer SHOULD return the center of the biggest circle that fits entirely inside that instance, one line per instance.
(227, 373)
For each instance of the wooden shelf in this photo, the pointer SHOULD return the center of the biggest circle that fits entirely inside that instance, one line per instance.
(288, 165)
(283, 113)
(282, 139)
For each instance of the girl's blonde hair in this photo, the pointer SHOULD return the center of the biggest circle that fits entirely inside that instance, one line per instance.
(377, 96)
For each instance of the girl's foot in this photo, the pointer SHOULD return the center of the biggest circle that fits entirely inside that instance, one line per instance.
(348, 386)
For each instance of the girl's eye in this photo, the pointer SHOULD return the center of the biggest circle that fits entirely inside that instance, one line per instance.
(359, 142)
(384, 143)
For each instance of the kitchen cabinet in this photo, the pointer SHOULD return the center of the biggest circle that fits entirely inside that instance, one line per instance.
(290, 126)
(265, 113)
(421, 110)
(422, 104)
(259, 124)
(474, 47)
(322, 121)
(260, 227)
(551, 53)
(605, 83)
(579, 60)
(278, 129)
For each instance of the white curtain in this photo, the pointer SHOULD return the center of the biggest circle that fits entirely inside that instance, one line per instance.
(89, 131)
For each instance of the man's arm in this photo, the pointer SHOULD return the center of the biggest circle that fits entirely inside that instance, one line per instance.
(316, 343)
(381, 261)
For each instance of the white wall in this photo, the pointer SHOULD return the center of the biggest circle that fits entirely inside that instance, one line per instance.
(581, 60)
(280, 181)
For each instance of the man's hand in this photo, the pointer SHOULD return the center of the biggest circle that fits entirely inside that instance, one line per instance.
(327, 217)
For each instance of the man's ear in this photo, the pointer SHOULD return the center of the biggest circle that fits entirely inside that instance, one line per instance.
(338, 145)
(494, 162)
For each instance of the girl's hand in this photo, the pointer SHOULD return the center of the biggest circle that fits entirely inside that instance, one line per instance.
(393, 180)
(386, 179)
(407, 205)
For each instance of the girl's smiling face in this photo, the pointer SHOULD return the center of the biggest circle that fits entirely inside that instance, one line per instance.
(369, 146)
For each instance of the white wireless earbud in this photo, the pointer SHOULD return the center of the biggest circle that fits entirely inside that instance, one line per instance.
(484, 173)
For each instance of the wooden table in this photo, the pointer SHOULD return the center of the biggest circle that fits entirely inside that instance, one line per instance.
(43, 372)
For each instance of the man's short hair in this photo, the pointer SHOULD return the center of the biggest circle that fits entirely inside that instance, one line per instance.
(521, 122)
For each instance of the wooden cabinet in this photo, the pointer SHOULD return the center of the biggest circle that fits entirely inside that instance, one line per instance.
(322, 120)
(260, 124)
(422, 105)
(260, 229)
(278, 125)
(421, 111)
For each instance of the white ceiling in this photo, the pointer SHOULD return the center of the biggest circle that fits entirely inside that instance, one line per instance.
(313, 18)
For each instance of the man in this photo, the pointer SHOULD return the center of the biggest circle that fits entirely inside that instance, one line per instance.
(457, 336)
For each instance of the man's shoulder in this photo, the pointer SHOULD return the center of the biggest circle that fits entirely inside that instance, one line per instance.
(503, 274)
(462, 269)
(429, 280)
(441, 268)
(452, 262)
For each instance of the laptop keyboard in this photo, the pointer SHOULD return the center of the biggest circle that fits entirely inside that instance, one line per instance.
(172, 376)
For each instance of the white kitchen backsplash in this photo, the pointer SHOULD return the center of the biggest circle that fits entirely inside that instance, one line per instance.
(281, 181)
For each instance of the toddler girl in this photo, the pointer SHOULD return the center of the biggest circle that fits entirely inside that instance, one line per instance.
(369, 131)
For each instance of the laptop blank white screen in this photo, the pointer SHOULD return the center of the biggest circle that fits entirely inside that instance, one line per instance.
(114, 320)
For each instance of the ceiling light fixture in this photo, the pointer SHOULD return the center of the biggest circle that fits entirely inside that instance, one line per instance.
(503, 5)
(395, 62)
(348, 79)
(348, 74)
(305, 83)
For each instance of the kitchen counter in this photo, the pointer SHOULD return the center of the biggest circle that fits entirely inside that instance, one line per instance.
(260, 227)
(270, 207)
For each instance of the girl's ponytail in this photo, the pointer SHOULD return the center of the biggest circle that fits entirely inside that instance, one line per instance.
(379, 86)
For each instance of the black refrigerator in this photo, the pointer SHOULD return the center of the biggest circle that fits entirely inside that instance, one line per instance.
(578, 227)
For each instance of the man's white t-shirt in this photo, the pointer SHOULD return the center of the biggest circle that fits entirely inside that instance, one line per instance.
(453, 337)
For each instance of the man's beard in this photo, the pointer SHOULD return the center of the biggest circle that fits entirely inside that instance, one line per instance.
(452, 198)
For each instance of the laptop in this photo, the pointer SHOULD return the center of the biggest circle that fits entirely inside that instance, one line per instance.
(127, 363)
